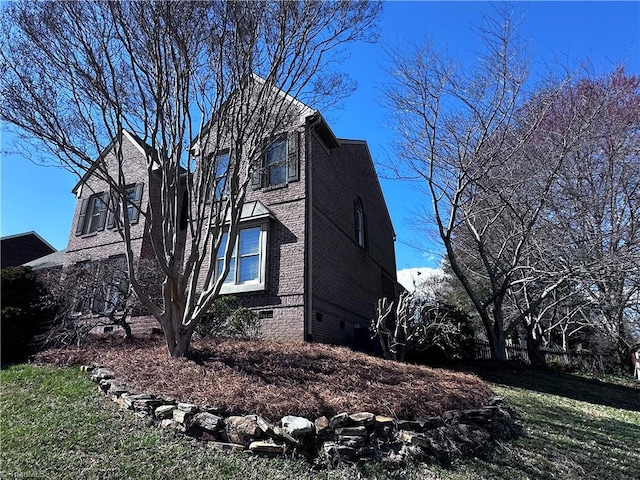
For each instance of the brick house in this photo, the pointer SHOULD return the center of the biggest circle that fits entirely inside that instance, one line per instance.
(316, 242)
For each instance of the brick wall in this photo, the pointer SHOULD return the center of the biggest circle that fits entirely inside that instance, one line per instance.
(281, 304)
(108, 242)
(347, 278)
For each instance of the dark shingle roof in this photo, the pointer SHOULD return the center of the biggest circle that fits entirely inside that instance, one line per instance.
(22, 248)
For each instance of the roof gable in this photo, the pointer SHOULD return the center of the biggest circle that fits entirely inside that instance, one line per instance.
(136, 141)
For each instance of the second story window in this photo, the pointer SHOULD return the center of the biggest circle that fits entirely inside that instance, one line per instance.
(134, 196)
(97, 211)
(275, 163)
(93, 214)
(221, 186)
(360, 222)
(280, 162)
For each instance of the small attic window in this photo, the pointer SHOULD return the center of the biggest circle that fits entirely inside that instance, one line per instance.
(360, 223)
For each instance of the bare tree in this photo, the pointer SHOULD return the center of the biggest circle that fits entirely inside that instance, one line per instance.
(467, 135)
(190, 79)
(91, 295)
(595, 213)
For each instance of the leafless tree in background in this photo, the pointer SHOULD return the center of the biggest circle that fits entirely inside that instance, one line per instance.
(75, 74)
(463, 135)
(492, 154)
(595, 213)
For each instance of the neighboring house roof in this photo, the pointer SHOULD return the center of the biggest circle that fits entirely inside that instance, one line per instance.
(53, 260)
(23, 247)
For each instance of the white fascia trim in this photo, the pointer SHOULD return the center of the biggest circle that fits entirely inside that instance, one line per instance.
(305, 110)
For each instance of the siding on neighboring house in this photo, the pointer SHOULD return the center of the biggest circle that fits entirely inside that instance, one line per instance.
(18, 249)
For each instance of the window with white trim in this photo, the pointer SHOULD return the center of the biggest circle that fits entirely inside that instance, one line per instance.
(247, 267)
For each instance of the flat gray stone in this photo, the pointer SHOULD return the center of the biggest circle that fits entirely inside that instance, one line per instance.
(226, 447)
(242, 429)
(208, 422)
(182, 417)
(164, 411)
(102, 374)
(363, 418)
(187, 407)
(296, 426)
(383, 421)
(338, 420)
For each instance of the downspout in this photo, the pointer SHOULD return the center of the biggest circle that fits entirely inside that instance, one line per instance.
(315, 120)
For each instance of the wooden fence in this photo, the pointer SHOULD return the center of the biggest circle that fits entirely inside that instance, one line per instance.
(582, 360)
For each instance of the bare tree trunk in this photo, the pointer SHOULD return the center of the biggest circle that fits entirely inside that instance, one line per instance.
(534, 344)
(181, 344)
(497, 342)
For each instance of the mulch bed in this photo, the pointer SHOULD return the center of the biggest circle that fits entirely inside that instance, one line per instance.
(277, 379)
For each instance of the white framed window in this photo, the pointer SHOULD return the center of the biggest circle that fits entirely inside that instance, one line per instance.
(248, 264)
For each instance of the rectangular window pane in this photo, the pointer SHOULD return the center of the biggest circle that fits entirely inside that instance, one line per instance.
(95, 209)
(131, 198)
(276, 162)
(222, 165)
(249, 268)
(230, 278)
(249, 241)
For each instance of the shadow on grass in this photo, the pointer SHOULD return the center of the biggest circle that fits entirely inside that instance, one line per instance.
(584, 389)
(565, 441)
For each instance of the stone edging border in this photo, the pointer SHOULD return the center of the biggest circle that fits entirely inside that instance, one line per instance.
(361, 436)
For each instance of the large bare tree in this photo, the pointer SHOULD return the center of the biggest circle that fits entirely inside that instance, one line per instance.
(595, 213)
(482, 142)
(189, 78)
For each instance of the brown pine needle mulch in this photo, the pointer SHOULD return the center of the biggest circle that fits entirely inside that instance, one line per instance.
(277, 379)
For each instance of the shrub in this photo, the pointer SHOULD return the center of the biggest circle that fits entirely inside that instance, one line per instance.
(228, 318)
(22, 314)
(422, 329)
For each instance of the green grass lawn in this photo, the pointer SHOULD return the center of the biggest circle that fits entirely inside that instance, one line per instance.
(54, 425)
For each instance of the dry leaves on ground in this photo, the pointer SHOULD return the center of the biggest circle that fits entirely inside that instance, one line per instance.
(277, 379)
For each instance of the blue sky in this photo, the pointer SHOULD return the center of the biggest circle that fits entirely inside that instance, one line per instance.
(606, 33)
